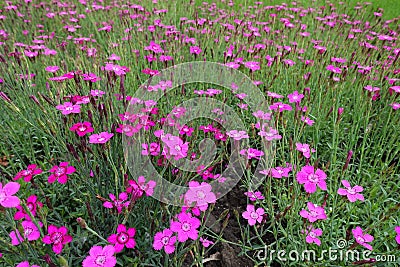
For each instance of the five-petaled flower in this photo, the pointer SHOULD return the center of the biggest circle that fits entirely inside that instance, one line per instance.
(60, 173)
(68, 108)
(311, 179)
(253, 215)
(362, 238)
(28, 173)
(352, 193)
(123, 238)
(315, 213)
(100, 257)
(186, 227)
(165, 240)
(58, 236)
(7, 200)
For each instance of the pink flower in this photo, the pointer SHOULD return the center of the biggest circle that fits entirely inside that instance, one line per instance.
(26, 264)
(165, 240)
(186, 130)
(312, 235)
(251, 153)
(52, 68)
(205, 242)
(395, 106)
(7, 200)
(279, 172)
(32, 204)
(141, 186)
(30, 232)
(153, 150)
(97, 93)
(280, 107)
(68, 108)
(237, 135)
(362, 238)
(91, 77)
(311, 179)
(352, 193)
(315, 213)
(201, 194)
(178, 111)
(305, 149)
(177, 147)
(118, 204)
(123, 238)
(100, 138)
(100, 257)
(28, 173)
(252, 65)
(307, 120)
(58, 237)
(397, 229)
(253, 196)
(371, 88)
(186, 227)
(60, 173)
(295, 97)
(82, 128)
(127, 129)
(272, 134)
(195, 50)
(253, 216)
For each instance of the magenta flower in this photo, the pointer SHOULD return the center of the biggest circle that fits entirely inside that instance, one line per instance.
(58, 237)
(100, 138)
(127, 129)
(26, 264)
(118, 204)
(195, 50)
(30, 232)
(397, 229)
(307, 120)
(137, 188)
(153, 150)
(279, 172)
(237, 135)
(362, 238)
(28, 173)
(312, 235)
(82, 128)
(123, 238)
(205, 242)
(395, 106)
(252, 215)
(252, 65)
(280, 107)
(7, 200)
(186, 130)
(68, 108)
(272, 134)
(200, 194)
(91, 77)
(295, 97)
(251, 153)
(52, 68)
(311, 179)
(315, 213)
(165, 240)
(60, 173)
(32, 204)
(97, 93)
(186, 227)
(352, 193)
(253, 196)
(100, 257)
(305, 149)
(177, 147)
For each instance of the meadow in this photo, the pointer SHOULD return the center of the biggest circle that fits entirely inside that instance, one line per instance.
(199, 133)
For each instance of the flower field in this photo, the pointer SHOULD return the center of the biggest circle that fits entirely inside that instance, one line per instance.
(190, 133)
